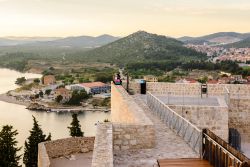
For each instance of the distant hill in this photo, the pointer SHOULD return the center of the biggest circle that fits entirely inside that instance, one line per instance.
(216, 38)
(241, 44)
(79, 42)
(141, 47)
(14, 41)
(69, 42)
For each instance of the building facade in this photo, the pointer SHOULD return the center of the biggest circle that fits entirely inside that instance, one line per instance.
(49, 80)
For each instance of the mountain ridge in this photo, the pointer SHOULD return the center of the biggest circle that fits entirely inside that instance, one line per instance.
(219, 37)
(73, 41)
(139, 47)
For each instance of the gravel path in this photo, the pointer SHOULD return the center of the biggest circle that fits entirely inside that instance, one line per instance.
(168, 145)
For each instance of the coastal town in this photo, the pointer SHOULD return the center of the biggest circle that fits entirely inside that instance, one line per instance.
(49, 94)
(219, 53)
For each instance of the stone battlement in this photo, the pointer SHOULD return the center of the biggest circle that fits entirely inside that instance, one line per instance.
(124, 109)
(130, 124)
(190, 89)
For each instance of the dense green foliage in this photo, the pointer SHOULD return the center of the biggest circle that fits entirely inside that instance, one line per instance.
(77, 97)
(31, 144)
(16, 61)
(228, 66)
(106, 102)
(59, 98)
(75, 128)
(48, 91)
(8, 147)
(37, 80)
(17, 57)
(137, 70)
(20, 81)
(102, 74)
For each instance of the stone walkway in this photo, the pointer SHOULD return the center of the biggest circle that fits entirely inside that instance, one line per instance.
(188, 100)
(76, 160)
(168, 145)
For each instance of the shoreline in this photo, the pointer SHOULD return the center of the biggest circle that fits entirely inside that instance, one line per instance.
(10, 99)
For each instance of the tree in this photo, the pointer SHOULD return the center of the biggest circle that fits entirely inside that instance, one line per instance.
(20, 81)
(77, 97)
(103, 77)
(41, 93)
(59, 98)
(8, 147)
(36, 96)
(51, 68)
(48, 91)
(36, 81)
(75, 128)
(31, 144)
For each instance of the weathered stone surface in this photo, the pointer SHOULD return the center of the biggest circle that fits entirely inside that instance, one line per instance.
(103, 148)
(213, 118)
(63, 147)
(189, 89)
(239, 117)
(130, 124)
(124, 109)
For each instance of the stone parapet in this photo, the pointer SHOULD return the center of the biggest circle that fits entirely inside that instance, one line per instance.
(130, 124)
(103, 148)
(43, 157)
(124, 109)
(193, 89)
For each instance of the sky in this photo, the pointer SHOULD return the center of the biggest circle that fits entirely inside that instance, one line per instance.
(174, 18)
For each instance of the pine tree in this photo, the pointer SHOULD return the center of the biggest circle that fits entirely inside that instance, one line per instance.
(8, 147)
(31, 144)
(75, 129)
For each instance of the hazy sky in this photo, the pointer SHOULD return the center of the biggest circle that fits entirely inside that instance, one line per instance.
(122, 17)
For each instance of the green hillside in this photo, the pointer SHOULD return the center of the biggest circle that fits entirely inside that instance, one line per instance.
(140, 47)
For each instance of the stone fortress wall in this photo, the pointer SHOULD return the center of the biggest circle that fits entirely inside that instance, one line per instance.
(193, 89)
(236, 95)
(127, 131)
(211, 117)
(130, 124)
(239, 115)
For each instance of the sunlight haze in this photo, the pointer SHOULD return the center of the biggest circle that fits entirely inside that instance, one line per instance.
(122, 17)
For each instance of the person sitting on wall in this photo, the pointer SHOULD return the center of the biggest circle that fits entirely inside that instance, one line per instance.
(117, 79)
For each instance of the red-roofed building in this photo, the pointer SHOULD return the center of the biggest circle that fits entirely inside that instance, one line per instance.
(65, 93)
(49, 80)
